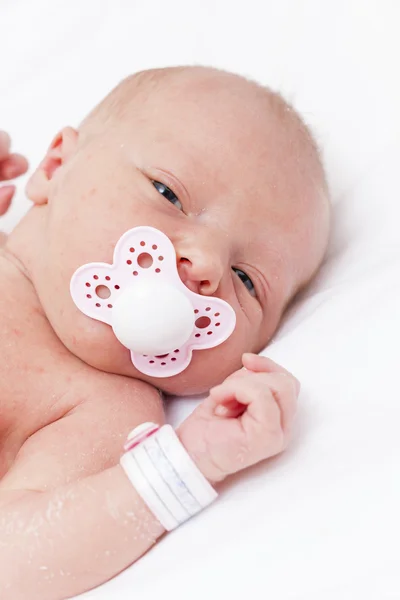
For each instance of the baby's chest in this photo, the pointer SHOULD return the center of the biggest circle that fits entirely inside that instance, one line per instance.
(36, 376)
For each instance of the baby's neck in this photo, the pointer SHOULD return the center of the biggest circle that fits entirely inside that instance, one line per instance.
(25, 243)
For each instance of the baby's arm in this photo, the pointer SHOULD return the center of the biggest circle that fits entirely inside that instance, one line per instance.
(73, 538)
(69, 517)
(60, 543)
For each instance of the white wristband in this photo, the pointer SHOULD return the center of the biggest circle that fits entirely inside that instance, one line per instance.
(165, 476)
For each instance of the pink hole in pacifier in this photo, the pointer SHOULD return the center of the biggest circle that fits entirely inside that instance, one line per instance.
(161, 355)
(145, 260)
(202, 322)
(102, 291)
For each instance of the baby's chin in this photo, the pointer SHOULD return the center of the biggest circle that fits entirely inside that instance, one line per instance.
(207, 369)
(97, 346)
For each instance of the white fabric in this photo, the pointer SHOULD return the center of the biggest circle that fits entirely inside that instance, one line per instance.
(322, 521)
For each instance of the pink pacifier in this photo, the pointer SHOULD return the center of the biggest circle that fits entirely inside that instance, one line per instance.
(150, 310)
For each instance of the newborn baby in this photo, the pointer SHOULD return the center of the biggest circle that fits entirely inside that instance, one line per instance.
(229, 172)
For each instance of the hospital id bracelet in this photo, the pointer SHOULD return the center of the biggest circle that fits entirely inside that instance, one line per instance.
(164, 475)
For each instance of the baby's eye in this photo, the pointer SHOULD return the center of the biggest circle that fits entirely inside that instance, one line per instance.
(246, 280)
(167, 193)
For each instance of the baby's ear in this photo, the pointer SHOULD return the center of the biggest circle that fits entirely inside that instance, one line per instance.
(60, 151)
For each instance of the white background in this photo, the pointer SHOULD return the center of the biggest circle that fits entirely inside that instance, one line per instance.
(322, 521)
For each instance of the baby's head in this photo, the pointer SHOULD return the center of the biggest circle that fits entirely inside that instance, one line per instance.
(224, 167)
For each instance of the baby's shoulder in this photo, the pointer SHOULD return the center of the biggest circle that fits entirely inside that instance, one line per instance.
(116, 396)
(89, 437)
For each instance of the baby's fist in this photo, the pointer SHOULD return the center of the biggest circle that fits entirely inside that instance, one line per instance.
(244, 420)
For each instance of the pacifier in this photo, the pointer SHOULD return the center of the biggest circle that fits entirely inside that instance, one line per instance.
(149, 308)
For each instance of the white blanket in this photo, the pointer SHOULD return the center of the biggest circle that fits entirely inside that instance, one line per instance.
(321, 521)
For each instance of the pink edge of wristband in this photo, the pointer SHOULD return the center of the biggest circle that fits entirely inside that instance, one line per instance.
(135, 441)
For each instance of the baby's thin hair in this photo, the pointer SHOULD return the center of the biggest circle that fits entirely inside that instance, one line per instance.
(142, 84)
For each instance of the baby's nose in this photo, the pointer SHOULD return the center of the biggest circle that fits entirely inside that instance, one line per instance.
(200, 272)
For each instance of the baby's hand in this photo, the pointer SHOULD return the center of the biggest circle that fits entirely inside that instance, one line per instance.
(244, 420)
(11, 166)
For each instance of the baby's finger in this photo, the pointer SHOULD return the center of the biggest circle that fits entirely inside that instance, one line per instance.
(232, 387)
(285, 392)
(240, 373)
(252, 393)
(230, 409)
(262, 364)
(5, 143)
(263, 394)
(226, 391)
(13, 166)
(255, 362)
(221, 394)
(6, 195)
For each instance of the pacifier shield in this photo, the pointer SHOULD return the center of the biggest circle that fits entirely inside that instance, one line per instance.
(151, 311)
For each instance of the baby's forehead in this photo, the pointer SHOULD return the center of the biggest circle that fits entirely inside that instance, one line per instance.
(186, 97)
(218, 150)
(216, 141)
(216, 122)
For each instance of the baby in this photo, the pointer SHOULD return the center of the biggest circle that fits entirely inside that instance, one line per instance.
(229, 172)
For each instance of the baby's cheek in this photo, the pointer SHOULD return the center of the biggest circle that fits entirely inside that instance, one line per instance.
(88, 339)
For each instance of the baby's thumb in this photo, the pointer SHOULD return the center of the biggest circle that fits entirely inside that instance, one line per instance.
(263, 364)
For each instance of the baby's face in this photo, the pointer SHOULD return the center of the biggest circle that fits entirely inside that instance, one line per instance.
(205, 173)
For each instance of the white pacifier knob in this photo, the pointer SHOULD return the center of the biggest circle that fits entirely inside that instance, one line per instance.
(152, 317)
